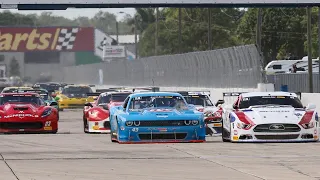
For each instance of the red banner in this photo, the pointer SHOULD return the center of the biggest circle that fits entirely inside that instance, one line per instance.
(46, 39)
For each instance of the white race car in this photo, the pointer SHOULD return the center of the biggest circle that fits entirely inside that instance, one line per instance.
(212, 112)
(269, 117)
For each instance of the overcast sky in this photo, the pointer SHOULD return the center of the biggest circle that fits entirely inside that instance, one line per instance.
(74, 13)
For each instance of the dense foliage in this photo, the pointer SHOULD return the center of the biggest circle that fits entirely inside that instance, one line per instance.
(283, 29)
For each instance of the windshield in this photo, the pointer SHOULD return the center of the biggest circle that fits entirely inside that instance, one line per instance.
(139, 103)
(113, 98)
(268, 100)
(198, 100)
(21, 99)
(74, 91)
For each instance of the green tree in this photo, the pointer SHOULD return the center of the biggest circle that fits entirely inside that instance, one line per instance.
(194, 30)
(14, 67)
(283, 31)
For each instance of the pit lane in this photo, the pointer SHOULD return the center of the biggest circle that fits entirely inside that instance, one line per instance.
(73, 155)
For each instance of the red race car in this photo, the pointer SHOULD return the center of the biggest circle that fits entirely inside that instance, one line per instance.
(27, 113)
(96, 114)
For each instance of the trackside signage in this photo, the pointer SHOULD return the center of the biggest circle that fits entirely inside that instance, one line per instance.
(46, 39)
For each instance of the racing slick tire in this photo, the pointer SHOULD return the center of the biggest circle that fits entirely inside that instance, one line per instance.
(223, 134)
(112, 137)
(85, 126)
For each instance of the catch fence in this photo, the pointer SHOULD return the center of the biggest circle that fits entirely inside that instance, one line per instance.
(239, 67)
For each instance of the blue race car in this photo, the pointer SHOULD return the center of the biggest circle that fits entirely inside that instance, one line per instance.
(156, 117)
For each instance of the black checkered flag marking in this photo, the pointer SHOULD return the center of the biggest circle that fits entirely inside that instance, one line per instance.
(66, 38)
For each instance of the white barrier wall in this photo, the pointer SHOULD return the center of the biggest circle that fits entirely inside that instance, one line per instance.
(216, 93)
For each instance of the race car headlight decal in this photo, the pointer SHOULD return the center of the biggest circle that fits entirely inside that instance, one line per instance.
(306, 122)
(129, 123)
(195, 122)
(187, 122)
(245, 123)
(308, 125)
(46, 112)
(243, 126)
(136, 123)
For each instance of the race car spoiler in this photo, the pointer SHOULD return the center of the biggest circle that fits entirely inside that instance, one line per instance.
(238, 94)
(152, 89)
(42, 93)
(93, 94)
(194, 93)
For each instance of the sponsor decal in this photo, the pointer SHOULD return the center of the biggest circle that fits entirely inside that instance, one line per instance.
(217, 125)
(47, 126)
(298, 114)
(275, 111)
(19, 115)
(46, 39)
(163, 129)
(135, 129)
(235, 138)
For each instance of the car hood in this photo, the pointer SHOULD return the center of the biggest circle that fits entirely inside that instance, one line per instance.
(159, 112)
(274, 114)
(20, 108)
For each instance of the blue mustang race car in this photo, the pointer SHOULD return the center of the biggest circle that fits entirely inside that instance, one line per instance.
(156, 117)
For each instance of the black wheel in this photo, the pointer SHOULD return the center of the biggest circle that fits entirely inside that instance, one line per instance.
(112, 137)
(85, 126)
(60, 109)
(55, 132)
(223, 134)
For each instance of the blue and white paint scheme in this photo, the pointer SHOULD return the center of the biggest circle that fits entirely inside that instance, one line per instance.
(149, 117)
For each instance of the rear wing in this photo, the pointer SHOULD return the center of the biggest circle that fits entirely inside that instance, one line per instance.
(146, 89)
(93, 94)
(40, 92)
(230, 94)
(108, 90)
(194, 93)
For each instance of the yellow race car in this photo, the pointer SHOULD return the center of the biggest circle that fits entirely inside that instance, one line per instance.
(73, 96)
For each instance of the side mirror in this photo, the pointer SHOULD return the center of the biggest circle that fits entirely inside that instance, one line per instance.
(53, 104)
(220, 102)
(310, 106)
(235, 106)
(88, 104)
(104, 106)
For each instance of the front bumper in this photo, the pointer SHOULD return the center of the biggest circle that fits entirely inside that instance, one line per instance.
(161, 134)
(99, 126)
(305, 135)
(46, 126)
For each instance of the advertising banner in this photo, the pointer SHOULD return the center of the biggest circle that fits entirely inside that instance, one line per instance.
(102, 41)
(23, 39)
(114, 52)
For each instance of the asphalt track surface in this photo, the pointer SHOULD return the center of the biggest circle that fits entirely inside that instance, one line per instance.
(73, 155)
